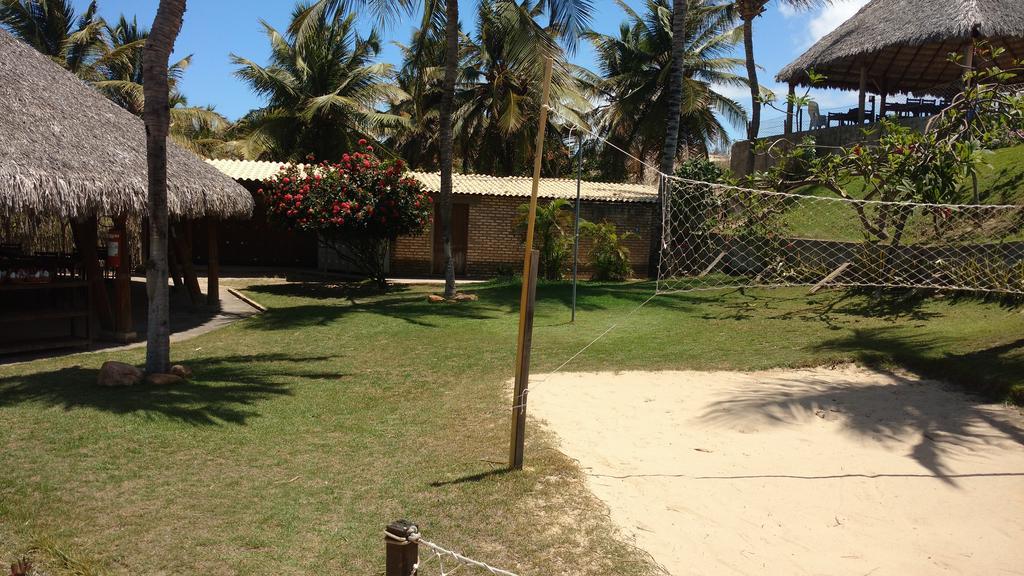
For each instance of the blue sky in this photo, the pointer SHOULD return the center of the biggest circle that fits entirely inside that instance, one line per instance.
(214, 29)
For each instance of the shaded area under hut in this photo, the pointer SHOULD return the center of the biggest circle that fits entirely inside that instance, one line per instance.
(73, 193)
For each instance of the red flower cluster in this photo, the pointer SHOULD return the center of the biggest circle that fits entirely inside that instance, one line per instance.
(358, 195)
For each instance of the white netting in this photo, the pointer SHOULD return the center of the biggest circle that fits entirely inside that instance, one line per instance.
(718, 236)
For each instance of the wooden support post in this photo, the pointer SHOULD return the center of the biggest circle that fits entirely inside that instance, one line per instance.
(884, 104)
(181, 238)
(525, 297)
(522, 385)
(124, 327)
(86, 238)
(173, 261)
(789, 109)
(213, 263)
(400, 554)
(862, 99)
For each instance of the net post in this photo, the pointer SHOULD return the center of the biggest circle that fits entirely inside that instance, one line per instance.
(522, 385)
(528, 294)
(401, 552)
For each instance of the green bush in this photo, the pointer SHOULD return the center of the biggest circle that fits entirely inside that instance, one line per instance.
(701, 170)
(608, 258)
(551, 235)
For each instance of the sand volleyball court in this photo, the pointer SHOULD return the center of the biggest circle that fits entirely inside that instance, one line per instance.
(819, 471)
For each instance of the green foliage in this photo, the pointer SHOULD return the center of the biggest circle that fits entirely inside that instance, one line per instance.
(356, 207)
(635, 65)
(700, 169)
(903, 165)
(551, 235)
(322, 89)
(608, 258)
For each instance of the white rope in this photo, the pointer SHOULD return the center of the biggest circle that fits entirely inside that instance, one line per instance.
(440, 553)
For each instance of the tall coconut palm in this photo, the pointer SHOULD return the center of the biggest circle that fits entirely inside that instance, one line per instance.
(675, 89)
(420, 76)
(496, 108)
(53, 28)
(748, 10)
(156, 114)
(118, 74)
(636, 64)
(322, 88)
(571, 16)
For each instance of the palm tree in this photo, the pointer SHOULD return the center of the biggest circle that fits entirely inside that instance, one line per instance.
(420, 77)
(570, 16)
(118, 73)
(636, 67)
(156, 114)
(322, 89)
(496, 113)
(675, 89)
(53, 28)
(749, 10)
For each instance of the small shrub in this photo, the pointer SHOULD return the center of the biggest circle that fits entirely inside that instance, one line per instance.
(608, 258)
(550, 236)
(701, 170)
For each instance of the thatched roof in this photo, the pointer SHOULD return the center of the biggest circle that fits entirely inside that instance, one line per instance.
(905, 44)
(66, 150)
(476, 184)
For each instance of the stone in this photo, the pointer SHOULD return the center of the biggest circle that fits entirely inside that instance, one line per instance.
(163, 379)
(115, 374)
(463, 297)
(181, 371)
(434, 298)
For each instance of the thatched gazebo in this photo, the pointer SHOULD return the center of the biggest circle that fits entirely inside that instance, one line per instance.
(903, 46)
(68, 154)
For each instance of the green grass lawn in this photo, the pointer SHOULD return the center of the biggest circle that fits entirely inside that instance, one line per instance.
(1000, 181)
(311, 426)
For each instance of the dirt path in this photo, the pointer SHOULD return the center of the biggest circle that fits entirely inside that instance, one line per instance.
(823, 471)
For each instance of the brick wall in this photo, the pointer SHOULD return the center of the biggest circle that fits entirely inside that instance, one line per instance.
(494, 246)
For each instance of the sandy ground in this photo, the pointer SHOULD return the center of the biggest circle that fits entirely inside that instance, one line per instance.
(823, 471)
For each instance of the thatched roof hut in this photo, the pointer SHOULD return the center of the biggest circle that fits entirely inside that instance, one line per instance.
(67, 151)
(903, 45)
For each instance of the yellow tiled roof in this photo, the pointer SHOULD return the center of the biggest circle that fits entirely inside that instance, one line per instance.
(256, 171)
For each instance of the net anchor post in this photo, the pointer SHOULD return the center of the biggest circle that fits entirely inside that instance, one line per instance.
(401, 549)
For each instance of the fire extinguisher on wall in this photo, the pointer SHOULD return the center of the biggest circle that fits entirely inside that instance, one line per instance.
(114, 249)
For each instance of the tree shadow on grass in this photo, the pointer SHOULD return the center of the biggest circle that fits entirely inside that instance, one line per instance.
(996, 372)
(937, 424)
(225, 391)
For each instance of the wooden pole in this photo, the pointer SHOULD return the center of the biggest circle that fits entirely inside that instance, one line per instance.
(861, 101)
(123, 324)
(789, 109)
(86, 237)
(522, 353)
(213, 263)
(522, 385)
(401, 555)
(182, 240)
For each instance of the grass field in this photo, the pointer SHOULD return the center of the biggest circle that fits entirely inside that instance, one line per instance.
(1001, 181)
(311, 426)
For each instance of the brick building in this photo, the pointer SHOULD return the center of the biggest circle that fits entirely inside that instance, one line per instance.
(484, 239)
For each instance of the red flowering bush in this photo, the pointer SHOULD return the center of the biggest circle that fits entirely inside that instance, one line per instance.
(356, 206)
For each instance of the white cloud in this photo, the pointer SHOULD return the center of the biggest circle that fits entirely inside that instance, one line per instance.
(829, 18)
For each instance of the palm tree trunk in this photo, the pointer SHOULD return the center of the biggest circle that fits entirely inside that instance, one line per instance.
(675, 87)
(451, 63)
(755, 91)
(156, 54)
(671, 145)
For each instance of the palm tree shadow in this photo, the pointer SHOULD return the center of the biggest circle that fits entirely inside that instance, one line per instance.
(938, 423)
(226, 390)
